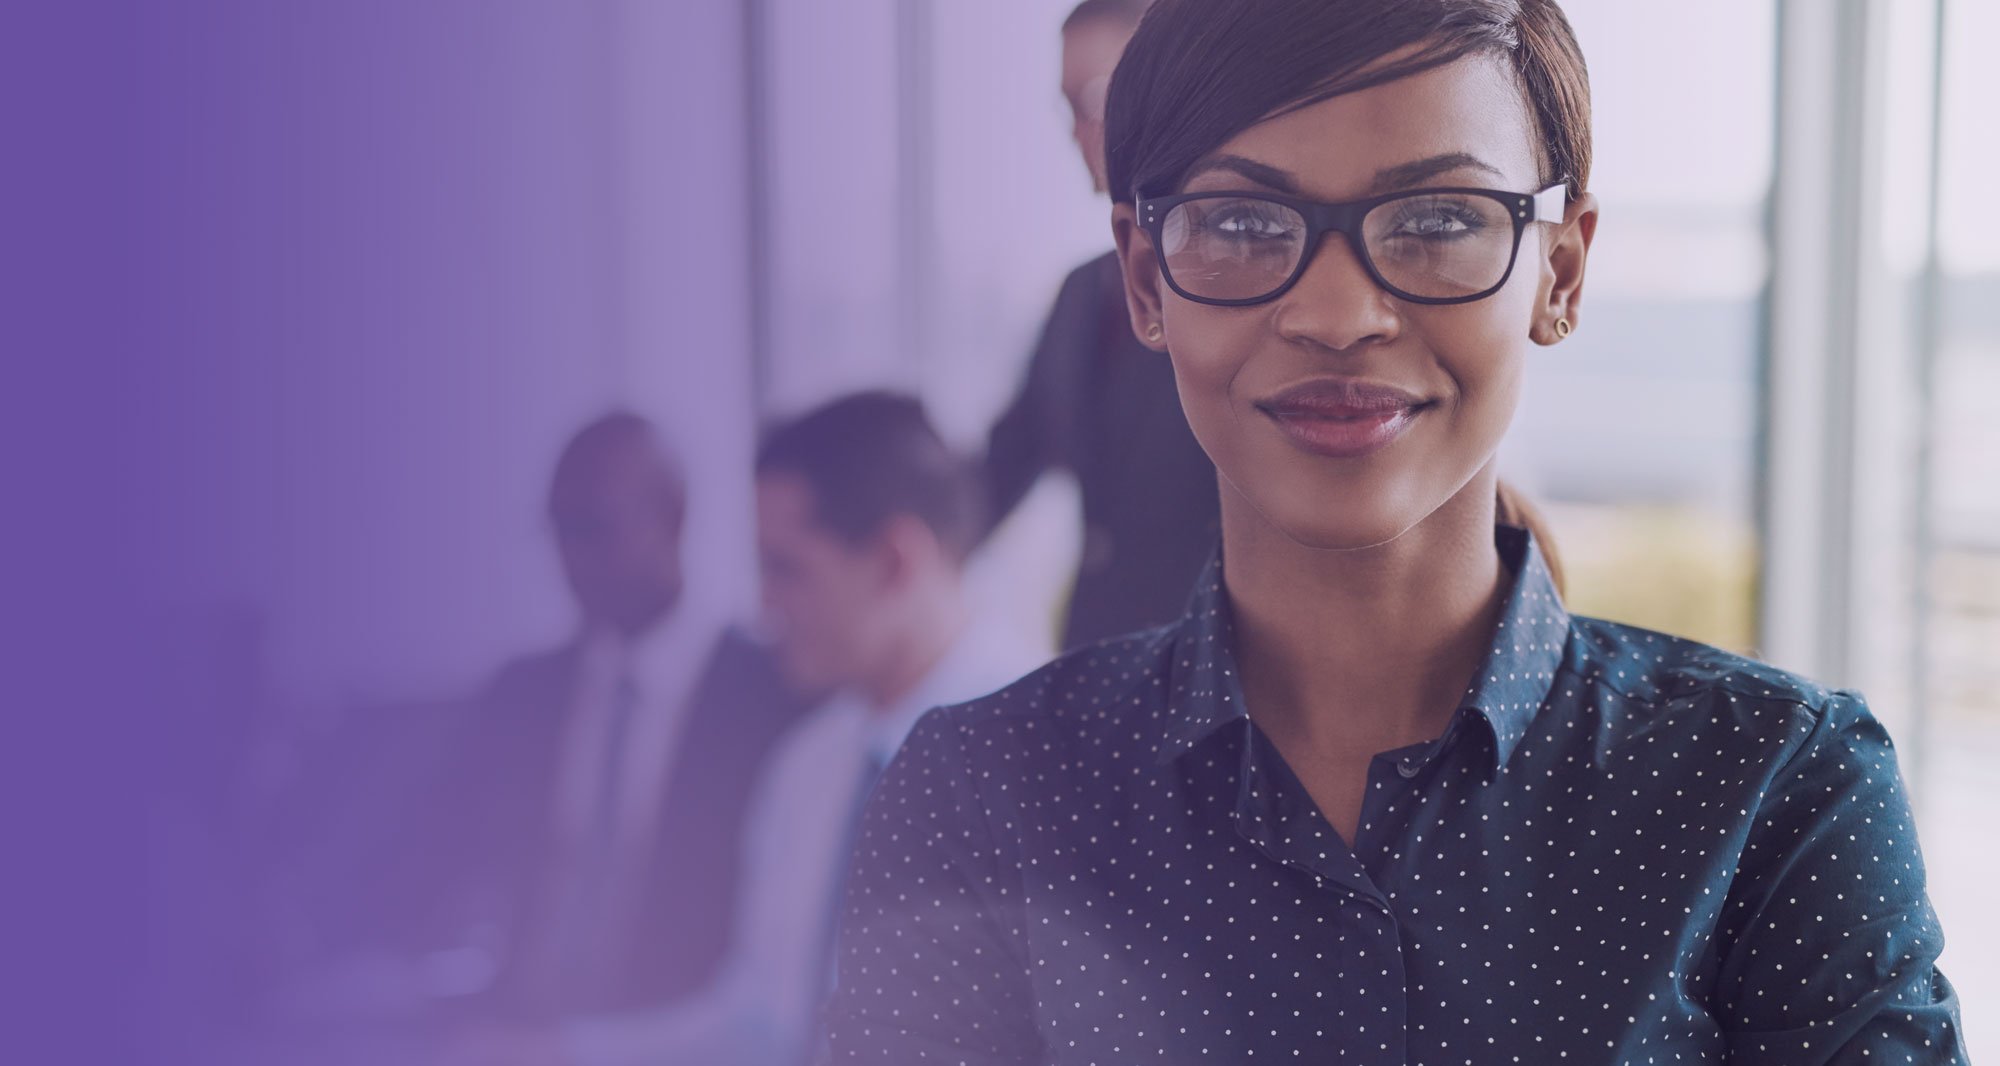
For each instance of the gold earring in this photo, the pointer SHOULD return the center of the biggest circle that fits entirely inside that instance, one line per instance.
(1562, 328)
(1154, 333)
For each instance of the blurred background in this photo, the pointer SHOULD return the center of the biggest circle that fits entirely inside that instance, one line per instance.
(391, 257)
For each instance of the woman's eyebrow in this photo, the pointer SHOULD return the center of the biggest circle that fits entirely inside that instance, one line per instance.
(1262, 173)
(1388, 179)
(1404, 175)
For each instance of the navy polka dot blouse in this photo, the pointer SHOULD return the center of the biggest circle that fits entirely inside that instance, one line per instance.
(1626, 848)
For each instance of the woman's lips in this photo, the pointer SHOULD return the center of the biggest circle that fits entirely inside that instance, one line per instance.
(1343, 420)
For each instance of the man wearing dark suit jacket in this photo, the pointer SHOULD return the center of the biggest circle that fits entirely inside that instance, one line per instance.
(574, 831)
(1103, 406)
(660, 931)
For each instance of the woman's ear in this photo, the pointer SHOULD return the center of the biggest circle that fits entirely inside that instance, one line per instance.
(1565, 250)
(1143, 285)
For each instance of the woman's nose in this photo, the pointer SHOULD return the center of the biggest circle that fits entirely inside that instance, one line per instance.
(1336, 303)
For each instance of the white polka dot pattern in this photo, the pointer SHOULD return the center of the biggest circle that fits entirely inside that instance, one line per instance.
(1627, 848)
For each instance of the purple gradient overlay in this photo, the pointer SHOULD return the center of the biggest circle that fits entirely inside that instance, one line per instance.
(302, 300)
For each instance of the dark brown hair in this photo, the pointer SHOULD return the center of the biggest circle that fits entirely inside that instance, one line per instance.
(1512, 508)
(870, 457)
(1199, 72)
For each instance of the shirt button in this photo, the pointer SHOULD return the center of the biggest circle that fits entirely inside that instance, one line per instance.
(1408, 769)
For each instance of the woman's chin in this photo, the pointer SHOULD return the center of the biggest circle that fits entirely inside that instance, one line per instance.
(1340, 517)
(1350, 532)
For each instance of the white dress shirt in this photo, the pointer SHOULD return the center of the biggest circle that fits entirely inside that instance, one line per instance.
(660, 669)
(761, 1007)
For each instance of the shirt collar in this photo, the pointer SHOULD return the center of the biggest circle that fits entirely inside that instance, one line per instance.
(1528, 645)
(1204, 693)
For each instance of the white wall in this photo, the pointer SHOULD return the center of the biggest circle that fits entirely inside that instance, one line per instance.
(442, 237)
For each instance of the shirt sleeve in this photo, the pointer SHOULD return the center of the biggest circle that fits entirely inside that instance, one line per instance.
(1828, 946)
(929, 969)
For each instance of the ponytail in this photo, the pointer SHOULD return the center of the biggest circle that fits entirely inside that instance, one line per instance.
(1511, 508)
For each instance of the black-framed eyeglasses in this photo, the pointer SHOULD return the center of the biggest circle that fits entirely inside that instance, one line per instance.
(1428, 246)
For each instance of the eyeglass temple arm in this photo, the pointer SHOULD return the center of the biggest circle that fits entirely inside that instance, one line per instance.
(1552, 203)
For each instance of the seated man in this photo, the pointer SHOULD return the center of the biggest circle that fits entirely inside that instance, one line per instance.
(864, 522)
(626, 779)
(564, 845)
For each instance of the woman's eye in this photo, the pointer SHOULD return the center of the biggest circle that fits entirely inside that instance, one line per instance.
(1247, 224)
(1432, 226)
(1437, 223)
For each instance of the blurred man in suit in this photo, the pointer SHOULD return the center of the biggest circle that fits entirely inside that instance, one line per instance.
(865, 519)
(570, 840)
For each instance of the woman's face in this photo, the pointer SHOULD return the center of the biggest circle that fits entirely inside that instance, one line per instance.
(1268, 388)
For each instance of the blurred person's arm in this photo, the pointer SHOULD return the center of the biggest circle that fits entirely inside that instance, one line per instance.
(1031, 436)
(728, 1022)
(715, 1029)
(928, 968)
(1828, 944)
(706, 1029)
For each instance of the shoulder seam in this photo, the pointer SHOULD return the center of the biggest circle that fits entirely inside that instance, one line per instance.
(1800, 696)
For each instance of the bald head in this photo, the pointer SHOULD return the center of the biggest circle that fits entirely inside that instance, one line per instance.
(617, 504)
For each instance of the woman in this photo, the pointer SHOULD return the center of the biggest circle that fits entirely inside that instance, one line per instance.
(1378, 798)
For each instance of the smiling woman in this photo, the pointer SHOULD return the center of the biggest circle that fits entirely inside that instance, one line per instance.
(1378, 797)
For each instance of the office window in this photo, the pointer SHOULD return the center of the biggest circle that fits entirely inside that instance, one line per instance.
(1959, 658)
(1639, 433)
